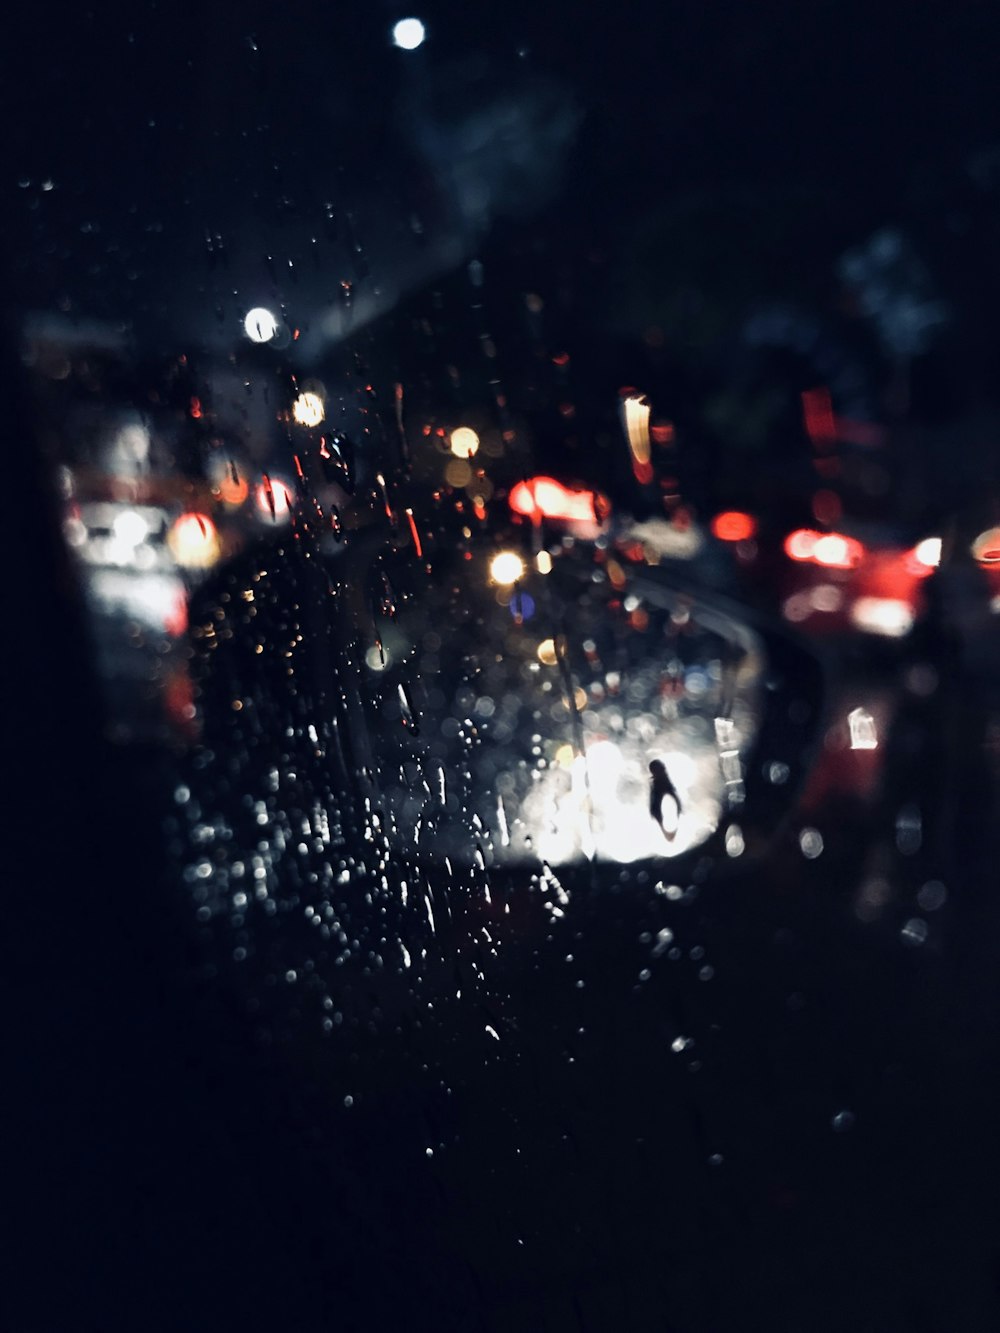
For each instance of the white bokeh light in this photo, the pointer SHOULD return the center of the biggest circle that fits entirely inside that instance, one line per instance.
(260, 324)
(408, 34)
(308, 408)
(506, 568)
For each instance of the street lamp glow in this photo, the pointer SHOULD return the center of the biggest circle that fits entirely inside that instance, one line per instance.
(928, 552)
(506, 568)
(408, 34)
(274, 500)
(464, 442)
(260, 324)
(308, 408)
(130, 528)
(194, 541)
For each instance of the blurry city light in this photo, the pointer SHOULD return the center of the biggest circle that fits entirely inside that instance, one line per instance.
(831, 549)
(457, 473)
(544, 497)
(233, 492)
(826, 597)
(928, 552)
(883, 615)
(227, 483)
(543, 562)
(837, 552)
(986, 547)
(506, 568)
(522, 606)
(801, 544)
(156, 600)
(464, 442)
(308, 409)
(666, 539)
(547, 652)
(130, 528)
(194, 541)
(862, 728)
(260, 324)
(408, 34)
(636, 411)
(733, 526)
(274, 499)
(817, 413)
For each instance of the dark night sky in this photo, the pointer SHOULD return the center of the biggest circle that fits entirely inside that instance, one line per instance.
(877, 106)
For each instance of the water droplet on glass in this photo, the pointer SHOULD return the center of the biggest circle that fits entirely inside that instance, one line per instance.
(914, 932)
(909, 830)
(664, 938)
(811, 843)
(336, 457)
(409, 716)
(932, 895)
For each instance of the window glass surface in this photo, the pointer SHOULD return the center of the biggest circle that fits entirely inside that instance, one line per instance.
(504, 587)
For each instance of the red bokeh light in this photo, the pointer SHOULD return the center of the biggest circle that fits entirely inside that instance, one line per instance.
(734, 526)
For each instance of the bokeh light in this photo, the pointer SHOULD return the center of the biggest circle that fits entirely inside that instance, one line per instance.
(308, 408)
(464, 442)
(408, 34)
(194, 541)
(274, 499)
(986, 547)
(928, 552)
(733, 526)
(260, 324)
(506, 568)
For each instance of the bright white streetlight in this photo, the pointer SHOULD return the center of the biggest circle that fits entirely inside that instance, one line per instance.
(506, 568)
(408, 34)
(464, 442)
(260, 324)
(308, 408)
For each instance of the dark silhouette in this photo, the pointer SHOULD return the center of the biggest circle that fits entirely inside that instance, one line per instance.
(660, 786)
